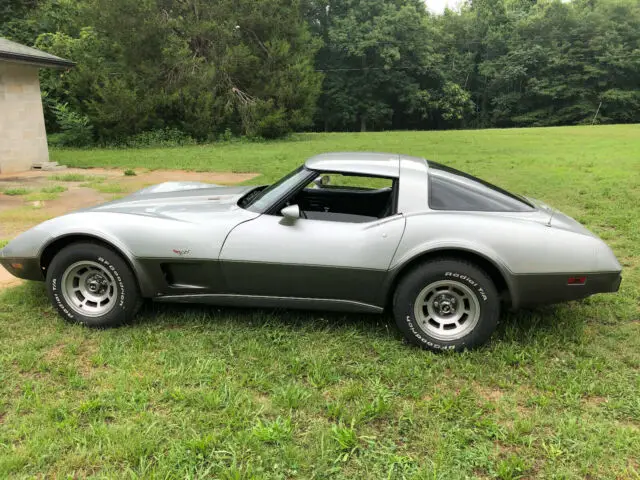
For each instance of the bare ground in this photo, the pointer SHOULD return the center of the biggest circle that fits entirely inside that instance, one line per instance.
(84, 188)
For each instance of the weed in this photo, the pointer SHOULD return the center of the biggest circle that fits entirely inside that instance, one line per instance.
(71, 177)
(54, 189)
(14, 192)
(275, 431)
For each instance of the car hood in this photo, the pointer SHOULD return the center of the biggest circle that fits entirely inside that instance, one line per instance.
(176, 199)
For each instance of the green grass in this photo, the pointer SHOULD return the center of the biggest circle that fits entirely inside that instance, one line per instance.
(72, 177)
(14, 192)
(107, 187)
(3, 243)
(54, 189)
(46, 193)
(190, 392)
(100, 186)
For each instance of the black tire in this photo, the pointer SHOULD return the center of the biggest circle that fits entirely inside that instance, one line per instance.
(458, 283)
(118, 288)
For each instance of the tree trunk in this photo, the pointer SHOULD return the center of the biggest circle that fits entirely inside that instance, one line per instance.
(363, 123)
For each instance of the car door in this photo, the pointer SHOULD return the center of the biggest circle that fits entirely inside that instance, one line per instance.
(305, 258)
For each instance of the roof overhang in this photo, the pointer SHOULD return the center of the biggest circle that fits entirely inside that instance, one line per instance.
(17, 53)
(36, 62)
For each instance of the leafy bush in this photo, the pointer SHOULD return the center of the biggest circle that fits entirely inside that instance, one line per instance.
(226, 136)
(75, 129)
(262, 119)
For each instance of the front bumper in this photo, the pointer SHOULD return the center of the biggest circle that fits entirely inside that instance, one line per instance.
(25, 268)
(532, 290)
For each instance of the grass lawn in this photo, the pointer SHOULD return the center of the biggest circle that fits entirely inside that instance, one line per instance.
(190, 392)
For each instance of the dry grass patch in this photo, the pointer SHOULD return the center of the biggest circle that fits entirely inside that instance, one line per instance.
(487, 393)
(56, 352)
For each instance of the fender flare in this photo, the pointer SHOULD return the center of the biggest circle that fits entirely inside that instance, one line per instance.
(109, 241)
(433, 249)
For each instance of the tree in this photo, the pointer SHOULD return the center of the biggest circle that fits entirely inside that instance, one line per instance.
(268, 67)
(142, 65)
(380, 65)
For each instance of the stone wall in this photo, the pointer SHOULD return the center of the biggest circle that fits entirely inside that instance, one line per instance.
(23, 140)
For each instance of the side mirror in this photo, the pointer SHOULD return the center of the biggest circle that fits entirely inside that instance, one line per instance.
(292, 212)
(322, 180)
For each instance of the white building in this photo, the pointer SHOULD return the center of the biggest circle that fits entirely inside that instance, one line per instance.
(23, 139)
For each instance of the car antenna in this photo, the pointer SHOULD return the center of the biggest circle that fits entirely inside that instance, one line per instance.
(551, 217)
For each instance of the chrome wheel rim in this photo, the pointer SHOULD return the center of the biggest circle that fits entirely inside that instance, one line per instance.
(89, 289)
(447, 310)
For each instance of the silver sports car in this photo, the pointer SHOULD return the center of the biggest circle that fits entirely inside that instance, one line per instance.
(357, 232)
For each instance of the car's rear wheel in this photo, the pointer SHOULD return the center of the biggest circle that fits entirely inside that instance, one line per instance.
(446, 304)
(92, 285)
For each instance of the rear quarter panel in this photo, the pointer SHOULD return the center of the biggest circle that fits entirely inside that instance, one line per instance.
(517, 246)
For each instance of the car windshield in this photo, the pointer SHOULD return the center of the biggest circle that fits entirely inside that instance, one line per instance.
(260, 200)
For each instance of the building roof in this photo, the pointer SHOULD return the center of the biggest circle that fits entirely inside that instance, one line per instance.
(15, 52)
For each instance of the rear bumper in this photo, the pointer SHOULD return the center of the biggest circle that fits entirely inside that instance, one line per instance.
(531, 290)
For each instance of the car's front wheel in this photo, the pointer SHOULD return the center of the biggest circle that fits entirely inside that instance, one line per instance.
(446, 304)
(92, 285)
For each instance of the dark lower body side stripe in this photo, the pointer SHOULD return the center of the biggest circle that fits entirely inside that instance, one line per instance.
(273, 302)
(203, 277)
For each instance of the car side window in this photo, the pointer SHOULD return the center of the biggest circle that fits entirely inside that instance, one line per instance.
(452, 190)
(346, 198)
(350, 182)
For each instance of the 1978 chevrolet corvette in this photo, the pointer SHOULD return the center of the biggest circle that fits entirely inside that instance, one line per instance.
(345, 231)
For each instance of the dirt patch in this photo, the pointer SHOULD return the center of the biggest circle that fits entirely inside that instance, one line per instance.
(88, 350)
(488, 394)
(7, 202)
(56, 352)
(82, 356)
(73, 199)
(38, 178)
(263, 400)
(595, 400)
(82, 188)
(7, 280)
(145, 179)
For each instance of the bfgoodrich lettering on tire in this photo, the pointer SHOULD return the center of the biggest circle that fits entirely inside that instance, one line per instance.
(92, 285)
(446, 304)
